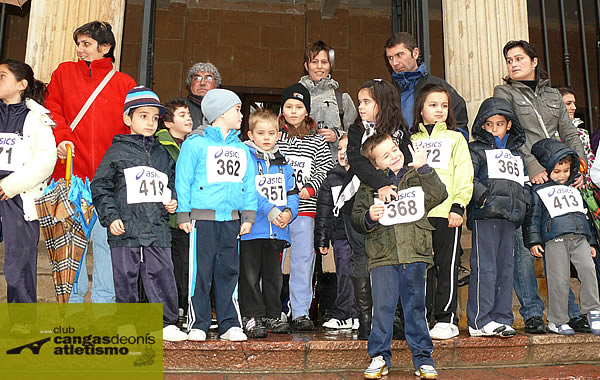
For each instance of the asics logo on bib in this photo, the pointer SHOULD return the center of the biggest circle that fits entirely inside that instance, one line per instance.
(503, 154)
(227, 154)
(431, 144)
(558, 191)
(296, 164)
(410, 194)
(140, 174)
(7, 141)
(270, 181)
(148, 174)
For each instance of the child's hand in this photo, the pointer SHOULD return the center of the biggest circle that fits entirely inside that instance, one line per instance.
(61, 149)
(117, 228)
(323, 250)
(171, 206)
(187, 227)
(593, 251)
(540, 178)
(328, 135)
(454, 220)
(419, 156)
(304, 194)
(245, 228)
(537, 250)
(283, 219)
(387, 193)
(3, 196)
(376, 212)
(578, 184)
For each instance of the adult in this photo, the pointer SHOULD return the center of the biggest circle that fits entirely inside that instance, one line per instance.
(333, 110)
(70, 87)
(542, 114)
(409, 76)
(202, 77)
(568, 97)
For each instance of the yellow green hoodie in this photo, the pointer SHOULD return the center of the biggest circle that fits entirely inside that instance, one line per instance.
(458, 176)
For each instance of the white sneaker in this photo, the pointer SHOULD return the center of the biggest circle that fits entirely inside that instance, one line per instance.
(561, 330)
(234, 334)
(355, 324)
(376, 369)
(197, 335)
(443, 330)
(337, 324)
(172, 333)
(426, 372)
(493, 329)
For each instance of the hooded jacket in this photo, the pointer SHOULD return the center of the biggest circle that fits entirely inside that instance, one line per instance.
(200, 199)
(327, 227)
(539, 227)
(495, 198)
(146, 224)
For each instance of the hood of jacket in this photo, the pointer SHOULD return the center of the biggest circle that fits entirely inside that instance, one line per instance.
(498, 106)
(315, 88)
(549, 151)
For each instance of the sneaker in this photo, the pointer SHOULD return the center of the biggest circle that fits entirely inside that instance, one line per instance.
(196, 335)
(535, 325)
(426, 372)
(493, 329)
(277, 326)
(443, 330)
(171, 333)
(355, 324)
(234, 334)
(336, 324)
(580, 324)
(561, 330)
(255, 328)
(509, 331)
(463, 276)
(376, 369)
(303, 323)
(594, 320)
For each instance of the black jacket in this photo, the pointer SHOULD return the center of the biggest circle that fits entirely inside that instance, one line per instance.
(146, 224)
(327, 227)
(539, 227)
(496, 198)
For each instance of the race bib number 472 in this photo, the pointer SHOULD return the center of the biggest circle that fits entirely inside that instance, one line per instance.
(502, 164)
(408, 207)
(225, 164)
(12, 152)
(438, 152)
(146, 184)
(560, 200)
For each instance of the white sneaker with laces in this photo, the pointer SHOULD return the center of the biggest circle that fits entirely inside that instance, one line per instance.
(197, 335)
(443, 330)
(234, 334)
(172, 333)
(376, 369)
(355, 324)
(561, 330)
(426, 372)
(493, 329)
(594, 321)
(337, 324)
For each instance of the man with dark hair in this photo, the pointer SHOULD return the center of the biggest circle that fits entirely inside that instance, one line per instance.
(409, 76)
(201, 78)
(89, 132)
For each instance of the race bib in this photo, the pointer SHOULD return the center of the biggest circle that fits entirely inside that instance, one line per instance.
(409, 207)
(302, 168)
(12, 152)
(225, 164)
(560, 200)
(502, 164)
(335, 192)
(438, 152)
(146, 184)
(272, 187)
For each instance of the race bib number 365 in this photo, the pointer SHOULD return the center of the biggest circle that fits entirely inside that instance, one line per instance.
(503, 165)
(11, 151)
(560, 200)
(272, 187)
(409, 207)
(225, 164)
(438, 152)
(146, 184)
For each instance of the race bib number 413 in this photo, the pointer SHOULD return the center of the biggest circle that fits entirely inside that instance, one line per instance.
(225, 164)
(408, 207)
(146, 184)
(502, 164)
(560, 200)
(12, 152)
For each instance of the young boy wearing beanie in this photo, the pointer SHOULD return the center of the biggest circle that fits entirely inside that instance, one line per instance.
(217, 202)
(133, 192)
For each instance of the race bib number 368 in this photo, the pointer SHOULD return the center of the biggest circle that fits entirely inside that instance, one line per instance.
(503, 165)
(146, 184)
(225, 164)
(11, 151)
(560, 200)
(409, 207)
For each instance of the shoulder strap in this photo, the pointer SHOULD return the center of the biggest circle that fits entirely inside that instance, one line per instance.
(340, 103)
(91, 99)
(539, 117)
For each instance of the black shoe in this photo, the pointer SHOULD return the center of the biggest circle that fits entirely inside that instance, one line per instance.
(254, 328)
(580, 324)
(463, 276)
(535, 325)
(277, 326)
(303, 323)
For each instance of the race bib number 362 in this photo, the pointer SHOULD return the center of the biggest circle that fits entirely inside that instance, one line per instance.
(409, 207)
(146, 184)
(502, 164)
(11, 151)
(225, 164)
(560, 200)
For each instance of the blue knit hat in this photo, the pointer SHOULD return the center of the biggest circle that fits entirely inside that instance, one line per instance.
(141, 96)
(218, 101)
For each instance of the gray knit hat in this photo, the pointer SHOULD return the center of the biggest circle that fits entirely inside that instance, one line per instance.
(218, 101)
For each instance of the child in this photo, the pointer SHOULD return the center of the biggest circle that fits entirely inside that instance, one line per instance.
(496, 210)
(380, 111)
(176, 124)
(260, 250)
(27, 132)
(331, 229)
(557, 229)
(398, 245)
(133, 191)
(434, 130)
(215, 185)
(308, 154)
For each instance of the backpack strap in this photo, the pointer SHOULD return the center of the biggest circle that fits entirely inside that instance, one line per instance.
(340, 103)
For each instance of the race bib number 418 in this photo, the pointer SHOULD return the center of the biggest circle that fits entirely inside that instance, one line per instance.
(408, 207)
(146, 184)
(560, 200)
(225, 164)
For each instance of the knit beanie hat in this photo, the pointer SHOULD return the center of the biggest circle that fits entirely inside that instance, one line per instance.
(141, 96)
(299, 92)
(218, 101)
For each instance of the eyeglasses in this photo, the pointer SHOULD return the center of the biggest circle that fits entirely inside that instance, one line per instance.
(200, 78)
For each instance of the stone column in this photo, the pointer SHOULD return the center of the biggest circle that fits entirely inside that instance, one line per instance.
(51, 26)
(475, 32)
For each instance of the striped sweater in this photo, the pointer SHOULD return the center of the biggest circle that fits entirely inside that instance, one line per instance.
(311, 160)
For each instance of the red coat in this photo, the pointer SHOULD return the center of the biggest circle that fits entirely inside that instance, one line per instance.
(70, 86)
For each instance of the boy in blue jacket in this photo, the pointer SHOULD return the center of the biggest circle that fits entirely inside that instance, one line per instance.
(215, 186)
(260, 250)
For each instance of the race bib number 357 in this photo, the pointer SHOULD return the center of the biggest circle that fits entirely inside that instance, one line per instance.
(409, 207)
(560, 200)
(503, 165)
(11, 151)
(225, 164)
(272, 187)
(146, 184)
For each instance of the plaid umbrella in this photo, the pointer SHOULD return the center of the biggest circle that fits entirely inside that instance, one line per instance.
(66, 216)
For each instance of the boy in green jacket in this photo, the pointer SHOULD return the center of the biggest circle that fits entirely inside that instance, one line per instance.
(398, 245)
